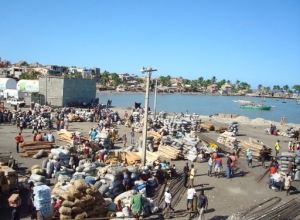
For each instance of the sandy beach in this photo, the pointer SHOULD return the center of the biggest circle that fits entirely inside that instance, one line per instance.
(226, 196)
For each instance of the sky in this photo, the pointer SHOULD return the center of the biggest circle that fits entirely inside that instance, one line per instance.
(253, 41)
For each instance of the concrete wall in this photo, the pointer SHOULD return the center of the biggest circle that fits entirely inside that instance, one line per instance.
(59, 91)
(79, 89)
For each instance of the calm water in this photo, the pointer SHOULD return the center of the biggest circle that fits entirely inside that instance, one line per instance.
(206, 105)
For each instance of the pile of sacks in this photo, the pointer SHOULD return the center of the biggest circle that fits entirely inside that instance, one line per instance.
(125, 198)
(103, 138)
(62, 154)
(42, 200)
(287, 157)
(37, 176)
(234, 128)
(81, 200)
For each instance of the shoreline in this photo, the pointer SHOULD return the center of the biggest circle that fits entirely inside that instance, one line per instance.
(192, 93)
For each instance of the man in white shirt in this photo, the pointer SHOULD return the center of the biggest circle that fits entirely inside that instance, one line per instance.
(168, 199)
(191, 192)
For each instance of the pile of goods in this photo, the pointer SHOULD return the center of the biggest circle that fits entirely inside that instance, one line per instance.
(75, 118)
(233, 127)
(227, 138)
(255, 146)
(37, 176)
(80, 200)
(65, 136)
(207, 127)
(36, 149)
(42, 200)
(8, 179)
(130, 158)
(284, 160)
(103, 138)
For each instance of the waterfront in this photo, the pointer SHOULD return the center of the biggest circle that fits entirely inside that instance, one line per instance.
(207, 104)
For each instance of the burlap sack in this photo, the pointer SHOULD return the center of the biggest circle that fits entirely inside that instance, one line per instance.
(67, 203)
(61, 216)
(91, 190)
(64, 196)
(81, 216)
(88, 199)
(65, 210)
(80, 185)
(74, 192)
(36, 167)
(79, 203)
(37, 171)
(91, 213)
(77, 210)
(99, 207)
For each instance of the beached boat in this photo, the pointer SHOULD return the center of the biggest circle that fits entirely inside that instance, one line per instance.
(254, 106)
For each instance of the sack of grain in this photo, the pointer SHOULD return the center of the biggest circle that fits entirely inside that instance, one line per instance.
(98, 184)
(35, 167)
(81, 216)
(73, 191)
(67, 203)
(65, 210)
(91, 213)
(77, 210)
(39, 154)
(44, 163)
(79, 203)
(79, 169)
(92, 190)
(62, 216)
(38, 171)
(37, 177)
(64, 196)
(80, 185)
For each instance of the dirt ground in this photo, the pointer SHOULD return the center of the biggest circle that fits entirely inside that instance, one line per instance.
(226, 196)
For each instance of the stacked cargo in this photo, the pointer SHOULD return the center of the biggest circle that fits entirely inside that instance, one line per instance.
(8, 179)
(42, 200)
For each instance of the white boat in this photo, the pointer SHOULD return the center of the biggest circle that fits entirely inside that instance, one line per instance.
(244, 101)
(298, 101)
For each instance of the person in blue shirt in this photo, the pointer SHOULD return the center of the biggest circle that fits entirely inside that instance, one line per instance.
(249, 158)
(94, 134)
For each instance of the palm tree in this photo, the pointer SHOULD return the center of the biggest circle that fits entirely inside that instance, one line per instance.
(296, 88)
(104, 78)
(213, 80)
(286, 88)
(200, 80)
(259, 87)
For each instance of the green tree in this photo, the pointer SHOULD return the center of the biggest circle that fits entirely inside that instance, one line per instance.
(30, 75)
(259, 87)
(221, 83)
(104, 78)
(165, 81)
(296, 88)
(213, 80)
(286, 88)
(243, 86)
(200, 81)
(116, 79)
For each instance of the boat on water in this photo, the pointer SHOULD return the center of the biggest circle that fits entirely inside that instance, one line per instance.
(298, 101)
(255, 106)
(244, 101)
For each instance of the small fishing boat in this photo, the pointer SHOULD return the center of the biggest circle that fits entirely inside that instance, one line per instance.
(244, 101)
(254, 106)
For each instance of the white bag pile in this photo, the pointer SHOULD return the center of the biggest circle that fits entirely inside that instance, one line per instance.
(285, 158)
(42, 200)
(62, 154)
(103, 138)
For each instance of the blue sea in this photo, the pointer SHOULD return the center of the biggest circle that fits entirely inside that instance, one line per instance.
(206, 105)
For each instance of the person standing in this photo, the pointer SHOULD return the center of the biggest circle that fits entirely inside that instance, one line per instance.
(186, 170)
(136, 205)
(210, 165)
(191, 192)
(192, 175)
(132, 136)
(202, 204)
(228, 170)
(290, 144)
(277, 147)
(124, 139)
(287, 183)
(168, 200)
(19, 139)
(249, 158)
(35, 127)
(233, 161)
(218, 166)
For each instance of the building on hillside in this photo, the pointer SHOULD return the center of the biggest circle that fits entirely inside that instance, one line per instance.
(60, 91)
(55, 70)
(212, 88)
(227, 88)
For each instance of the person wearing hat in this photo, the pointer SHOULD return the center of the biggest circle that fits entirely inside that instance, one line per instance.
(119, 206)
(249, 158)
(277, 148)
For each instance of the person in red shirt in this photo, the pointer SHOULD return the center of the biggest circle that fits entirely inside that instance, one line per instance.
(273, 170)
(19, 139)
